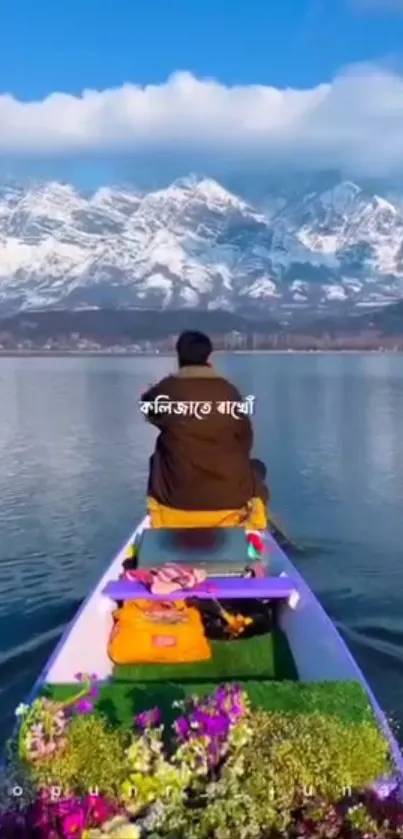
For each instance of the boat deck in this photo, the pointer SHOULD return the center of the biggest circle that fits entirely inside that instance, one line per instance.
(265, 656)
(301, 665)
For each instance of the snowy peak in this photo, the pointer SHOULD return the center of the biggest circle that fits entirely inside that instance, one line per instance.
(197, 244)
(214, 195)
(195, 193)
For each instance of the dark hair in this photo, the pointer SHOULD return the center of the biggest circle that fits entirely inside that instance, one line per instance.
(193, 348)
(259, 468)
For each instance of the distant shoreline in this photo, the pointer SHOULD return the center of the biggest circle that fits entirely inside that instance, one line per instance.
(170, 354)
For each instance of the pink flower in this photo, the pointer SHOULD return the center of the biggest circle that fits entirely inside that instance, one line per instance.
(98, 809)
(73, 825)
(147, 719)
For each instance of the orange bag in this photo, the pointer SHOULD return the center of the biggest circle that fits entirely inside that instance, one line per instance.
(151, 632)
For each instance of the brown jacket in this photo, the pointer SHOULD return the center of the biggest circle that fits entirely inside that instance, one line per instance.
(200, 464)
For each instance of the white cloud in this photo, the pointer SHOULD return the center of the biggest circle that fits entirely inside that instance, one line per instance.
(355, 122)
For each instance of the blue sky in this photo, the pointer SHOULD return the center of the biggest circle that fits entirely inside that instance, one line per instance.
(47, 45)
(308, 107)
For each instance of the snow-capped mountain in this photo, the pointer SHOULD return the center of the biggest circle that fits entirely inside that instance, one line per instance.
(196, 244)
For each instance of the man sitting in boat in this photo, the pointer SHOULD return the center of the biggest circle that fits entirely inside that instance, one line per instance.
(201, 473)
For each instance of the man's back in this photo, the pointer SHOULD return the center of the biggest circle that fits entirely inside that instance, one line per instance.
(202, 460)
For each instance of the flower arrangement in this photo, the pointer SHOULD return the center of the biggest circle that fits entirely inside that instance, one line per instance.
(161, 786)
(222, 771)
(69, 818)
(42, 732)
(212, 727)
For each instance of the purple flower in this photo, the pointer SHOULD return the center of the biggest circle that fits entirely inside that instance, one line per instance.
(384, 787)
(213, 725)
(147, 719)
(231, 701)
(86, 677)
(209, 722)
(221, 694)
(182, 727)
(215, 754)
(84, 706)
(94, 691)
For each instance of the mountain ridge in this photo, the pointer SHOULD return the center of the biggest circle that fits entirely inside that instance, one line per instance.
(320, 248)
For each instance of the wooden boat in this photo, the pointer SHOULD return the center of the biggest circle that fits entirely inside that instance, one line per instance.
(316, 651)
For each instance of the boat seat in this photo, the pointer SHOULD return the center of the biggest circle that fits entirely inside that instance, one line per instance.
(220, 550)
(222, 588)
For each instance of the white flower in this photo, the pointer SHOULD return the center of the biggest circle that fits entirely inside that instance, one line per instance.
(21, 710)
(127, 831)
(118, 828)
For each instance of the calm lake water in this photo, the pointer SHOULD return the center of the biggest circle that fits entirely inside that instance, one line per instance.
(73, 460)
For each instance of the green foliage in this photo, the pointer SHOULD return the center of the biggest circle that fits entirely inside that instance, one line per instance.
(312, 743)
(361, 820)
(288, 757)
(94, 758)
(346, 700)
(151, 776)
(315, 753)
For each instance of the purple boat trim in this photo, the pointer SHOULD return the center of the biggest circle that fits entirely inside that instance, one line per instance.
(226, 588)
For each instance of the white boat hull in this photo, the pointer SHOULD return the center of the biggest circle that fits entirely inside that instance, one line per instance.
(319, 652)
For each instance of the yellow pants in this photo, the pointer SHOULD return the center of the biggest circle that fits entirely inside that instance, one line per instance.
(258, 517)
(252, 517)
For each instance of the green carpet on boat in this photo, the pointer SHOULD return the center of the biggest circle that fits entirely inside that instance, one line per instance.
(120, 701)
(263, 665)
(264, 656)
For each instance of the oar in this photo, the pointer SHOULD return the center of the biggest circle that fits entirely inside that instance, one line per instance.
(280, 535)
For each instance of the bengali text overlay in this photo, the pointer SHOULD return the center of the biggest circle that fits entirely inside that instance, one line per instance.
(199, 410)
